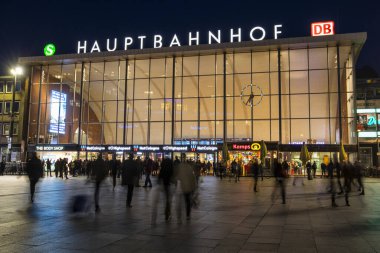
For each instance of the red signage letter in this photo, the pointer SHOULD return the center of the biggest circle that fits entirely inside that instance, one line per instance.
(322, 28)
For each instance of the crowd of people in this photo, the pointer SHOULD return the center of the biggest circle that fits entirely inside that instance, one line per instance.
(185, 175)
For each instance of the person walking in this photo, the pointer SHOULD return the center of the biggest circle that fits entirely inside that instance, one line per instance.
(165, 178)
(48, 167)
(323, 169)
(308, 170)
(114, 168)
(359, 176)
(186, 177)
(280, 181)
(233, 170)
(148, 171)
(35, 171)
(99, 173)
(131, 172)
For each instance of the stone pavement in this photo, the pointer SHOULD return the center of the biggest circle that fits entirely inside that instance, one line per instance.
(231, 218)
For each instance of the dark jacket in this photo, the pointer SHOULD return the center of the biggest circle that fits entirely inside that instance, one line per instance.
(166, 172)
(34, 168)
(255, 170)
(131, 171)
(99, 169)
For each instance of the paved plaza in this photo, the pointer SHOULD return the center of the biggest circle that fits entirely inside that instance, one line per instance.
(230, 218)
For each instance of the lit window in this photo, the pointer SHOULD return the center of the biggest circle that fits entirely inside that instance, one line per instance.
(1, 87)
(15, 128)
(9, 87)
(6, 129)
(7, 107)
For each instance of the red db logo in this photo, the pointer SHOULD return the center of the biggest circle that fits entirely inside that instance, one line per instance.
(322, 28)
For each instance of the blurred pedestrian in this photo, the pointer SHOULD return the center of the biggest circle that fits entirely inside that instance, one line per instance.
(314, 169)
(114, 168)
(99, 173)
(323, 169)
(165, 179)
(185, 176)
(280, 181)
(358, 172)
(148, 171)
(255, 170)
(48, 167)
(131, 173)
(35, 171)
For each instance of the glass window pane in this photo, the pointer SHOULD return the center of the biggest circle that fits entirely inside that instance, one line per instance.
(262, 110)
(190, 109)
(157, 88)
(207, 86)
(318, 58)
(157, 110)
(95, 111)
(219, 64)
(229, 85)
(140, 110)
(299, 82)
(190, 86)
(230, 107)
(242, 111)
(262, 81)
(319, 106)
(141, 89)
(190, 66)
(97, 71)
(319, 82)
(169, 67)
(285, 106)
(275, 130)
(274, 106)
(300, 130)
(207, 109)
(320, 130)
(109, 133)
(260, 61)
(230, 129)
(242, 63)
(156, 133)
(94, 133)
(189, 129)
(219, 108)
(119, 132)
(110, 90)
(285, 83)
(242, 129)
(111, 71)
(240, 82)
(299, 106)
(140, 133)
(122, 69)
(110, 111)
(207, 65)
(178, 66)
(96, 91)
(261, 130)
(298, 59)
(284, 60)
(141, 68)
(207, 129)
(157, 67)
(120, 111)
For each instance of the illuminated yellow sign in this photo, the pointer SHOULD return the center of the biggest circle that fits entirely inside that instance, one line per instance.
(255, 146)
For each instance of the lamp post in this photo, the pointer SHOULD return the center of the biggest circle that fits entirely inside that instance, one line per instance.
(16, 71)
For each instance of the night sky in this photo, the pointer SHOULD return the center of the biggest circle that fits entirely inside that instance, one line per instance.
(27, 26)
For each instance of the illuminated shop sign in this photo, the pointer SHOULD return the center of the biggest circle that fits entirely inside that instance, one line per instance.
(93, 148)
(175, 148)
(119, 148)
(256, 33)
(322, 28)
(207, 148)
(253, 146)
(50, 148)
(146, 148)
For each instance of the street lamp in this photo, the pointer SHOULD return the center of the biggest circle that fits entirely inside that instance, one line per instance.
(16, 71)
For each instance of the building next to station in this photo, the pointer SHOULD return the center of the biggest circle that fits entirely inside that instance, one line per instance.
(195, 98)
(13, 117)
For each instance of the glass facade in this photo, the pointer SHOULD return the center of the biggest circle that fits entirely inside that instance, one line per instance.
(306, 95)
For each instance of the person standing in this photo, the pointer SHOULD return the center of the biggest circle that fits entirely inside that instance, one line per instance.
(35, 171)
(308, 170)
(114, 168)
(56, 168)
(314, 169)
(359, 176)
(140, 168)
(131, 173)
(99, 174)
(323, 169)
(48, 167)
(280, 181)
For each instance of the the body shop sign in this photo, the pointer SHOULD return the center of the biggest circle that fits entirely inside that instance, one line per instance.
(246, 147)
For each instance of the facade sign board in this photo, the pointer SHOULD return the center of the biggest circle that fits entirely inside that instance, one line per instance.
(246, 146)
(322, 28)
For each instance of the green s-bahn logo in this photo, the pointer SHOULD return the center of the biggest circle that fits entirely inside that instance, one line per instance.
(49, 49)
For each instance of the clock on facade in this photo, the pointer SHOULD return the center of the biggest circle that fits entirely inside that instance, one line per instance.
(251, 95)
